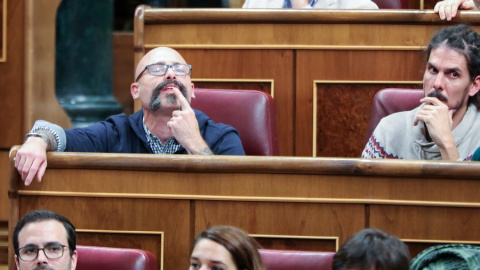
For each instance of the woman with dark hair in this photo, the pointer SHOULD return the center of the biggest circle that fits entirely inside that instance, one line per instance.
(225, 248)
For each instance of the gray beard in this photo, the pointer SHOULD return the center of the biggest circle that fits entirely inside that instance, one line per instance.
(155, 102)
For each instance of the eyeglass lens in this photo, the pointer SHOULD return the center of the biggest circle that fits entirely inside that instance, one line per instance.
(51, 252)
(161, 69)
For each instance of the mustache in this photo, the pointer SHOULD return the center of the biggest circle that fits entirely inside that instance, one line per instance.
(437, 94)
(155, 99)
(180, 85)
(43, 267)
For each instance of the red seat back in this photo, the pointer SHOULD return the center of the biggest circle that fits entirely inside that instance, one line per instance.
(392, 100)
(251, 112)
(391, 4)
(298, 260)
(106, 258)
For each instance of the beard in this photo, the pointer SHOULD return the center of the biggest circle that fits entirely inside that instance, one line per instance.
(155, 101)
(438, 94)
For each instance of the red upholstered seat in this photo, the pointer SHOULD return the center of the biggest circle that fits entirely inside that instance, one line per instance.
(391, 4)
(105, 258)
(251, 112)
(298, 260)
(392, 100)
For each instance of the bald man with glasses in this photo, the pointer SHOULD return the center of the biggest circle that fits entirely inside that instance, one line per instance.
(166, 124)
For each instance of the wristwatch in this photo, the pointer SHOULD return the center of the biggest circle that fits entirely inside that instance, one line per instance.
(36, 134)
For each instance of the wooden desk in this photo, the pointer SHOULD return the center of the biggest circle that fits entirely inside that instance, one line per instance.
(161, 202)
(322, 67)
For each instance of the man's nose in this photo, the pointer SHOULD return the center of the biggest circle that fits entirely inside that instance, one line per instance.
(170, 75)
(439, 83)
(41, 258)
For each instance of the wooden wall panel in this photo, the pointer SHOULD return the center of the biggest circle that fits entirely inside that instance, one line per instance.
(344, 85)
(40, 98)
(128, 216)
(350, 101)
(432, 223)
(297, 242)
(12, 74)
(123, 71)
(273, 219)
(4, 170)
(283, 32)
(309, 203)
(423, 227)
(146, 240)
(3, 30)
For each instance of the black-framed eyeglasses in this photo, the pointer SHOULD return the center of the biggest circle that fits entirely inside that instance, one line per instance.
(161, 69)
(30, 253)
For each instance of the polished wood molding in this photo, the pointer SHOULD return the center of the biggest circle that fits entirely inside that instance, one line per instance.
(205, 16)
(255, 164)
(3, 28)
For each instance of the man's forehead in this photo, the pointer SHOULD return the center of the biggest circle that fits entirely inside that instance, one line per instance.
(165, 56)
(447, 58)
(47, 230)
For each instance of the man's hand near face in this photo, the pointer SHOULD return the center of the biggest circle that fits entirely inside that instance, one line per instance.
(438, 120)
(184, 126)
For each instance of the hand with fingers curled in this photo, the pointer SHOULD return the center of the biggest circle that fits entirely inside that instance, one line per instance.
(31, 159)
(184, 127)
(438, 119)
(447, 9)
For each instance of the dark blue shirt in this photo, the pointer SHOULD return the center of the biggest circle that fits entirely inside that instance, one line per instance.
(125, 134)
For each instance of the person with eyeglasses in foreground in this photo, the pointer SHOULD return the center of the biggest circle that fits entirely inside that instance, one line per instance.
(45, 240)
(166, 124)
(447, 9)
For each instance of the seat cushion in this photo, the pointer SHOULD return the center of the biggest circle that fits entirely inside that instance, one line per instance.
(391, 4)
(106, 258)
(392, 100)
(251, 112)
(298, 260)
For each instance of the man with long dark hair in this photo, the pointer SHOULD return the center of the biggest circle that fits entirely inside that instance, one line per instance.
(447, 123)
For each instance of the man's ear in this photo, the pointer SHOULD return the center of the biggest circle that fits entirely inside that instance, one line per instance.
(74, 260)
(134, 90)
(16, 262)
(193, 92)
(475, 87)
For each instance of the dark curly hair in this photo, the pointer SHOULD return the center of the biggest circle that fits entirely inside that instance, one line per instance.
(464, 40)
(372, 249)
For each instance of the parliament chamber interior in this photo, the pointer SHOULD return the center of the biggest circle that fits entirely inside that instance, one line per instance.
(304, 83)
